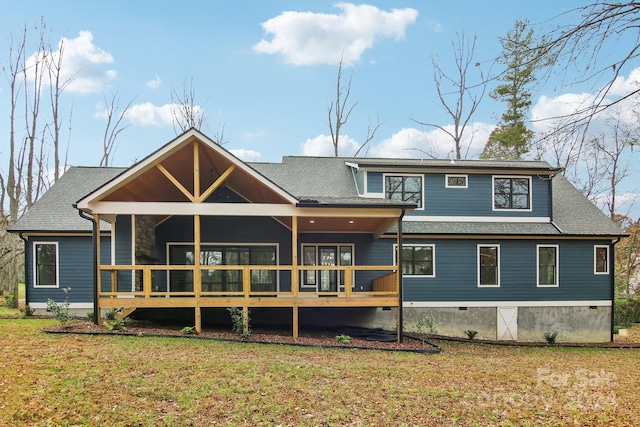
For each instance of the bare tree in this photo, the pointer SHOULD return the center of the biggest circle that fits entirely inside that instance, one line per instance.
(114, 126)
(458, 97)
(186, 112)
(586, 43)
(615, 151)
(339, 111)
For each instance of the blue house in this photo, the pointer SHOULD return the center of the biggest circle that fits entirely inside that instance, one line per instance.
(507, 248)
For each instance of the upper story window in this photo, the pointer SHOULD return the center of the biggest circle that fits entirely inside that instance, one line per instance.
(404, 187)
(456, 181)
(601, 259)
(45, 265)
(511, 193)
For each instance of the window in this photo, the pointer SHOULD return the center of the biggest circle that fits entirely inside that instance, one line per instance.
(326, 255)
(455, 181)
(547, 265)
(417, 260)
(404, 187)
(489, 265)
(511, 193)
(223, 280)
(601, 259)
(45, 265)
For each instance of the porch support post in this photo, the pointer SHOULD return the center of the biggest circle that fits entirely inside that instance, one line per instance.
(399, 274)
(97, 318)
(295, 276)
(197, 277)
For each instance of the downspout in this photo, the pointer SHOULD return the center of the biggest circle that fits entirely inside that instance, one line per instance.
(612, 264)
(26, 273)
(400, 280)
(94, 240)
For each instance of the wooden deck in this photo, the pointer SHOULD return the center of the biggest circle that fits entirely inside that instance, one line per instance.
(384, 291)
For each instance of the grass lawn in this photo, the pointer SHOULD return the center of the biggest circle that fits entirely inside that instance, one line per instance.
(129, 381)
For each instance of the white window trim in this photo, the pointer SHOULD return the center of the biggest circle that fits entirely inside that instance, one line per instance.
(478, 264)
(557, 265)
(33, 267)
(446, 180)
(224, 244)
(411, 276)
(493, 193)
(595, 259)
(419, 175)
(316, 246)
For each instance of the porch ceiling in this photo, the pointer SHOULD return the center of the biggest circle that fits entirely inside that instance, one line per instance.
(152, 185)
(351, 224)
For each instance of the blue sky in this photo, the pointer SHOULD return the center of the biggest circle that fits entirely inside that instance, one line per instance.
(265, 71)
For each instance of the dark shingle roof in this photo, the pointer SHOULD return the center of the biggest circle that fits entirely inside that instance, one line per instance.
(574, 214)
(328, 181)
(54, 212)
(458, 164)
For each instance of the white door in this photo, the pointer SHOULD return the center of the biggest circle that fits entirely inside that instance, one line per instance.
(508, 323)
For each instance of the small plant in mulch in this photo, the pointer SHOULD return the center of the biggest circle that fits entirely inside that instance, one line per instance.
(550, 337)
(343, 339)
(427, 325)
(117, 324)
(189, 330)
(470, 333)
(240, 322)
(60, 310)
(26, 311)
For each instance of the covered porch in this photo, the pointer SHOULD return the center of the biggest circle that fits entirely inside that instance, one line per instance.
(197, 180)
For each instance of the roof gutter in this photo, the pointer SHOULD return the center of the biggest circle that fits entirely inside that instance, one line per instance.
(26, 273)
(400, 280)
(612, 264)
(94, 240)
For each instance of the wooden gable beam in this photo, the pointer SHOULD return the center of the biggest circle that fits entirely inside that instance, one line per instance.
(218, 182)
(196, 172)
(175, 182)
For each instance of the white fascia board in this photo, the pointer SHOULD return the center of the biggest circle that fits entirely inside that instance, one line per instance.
(456, 304)
(510, 219)
(234, 209)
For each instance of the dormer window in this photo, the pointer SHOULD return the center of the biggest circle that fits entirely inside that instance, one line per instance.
(404, 187)
(511, 193)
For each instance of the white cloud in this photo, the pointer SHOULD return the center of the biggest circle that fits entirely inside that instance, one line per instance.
(434, 143)
(322, 145)
(147, 114)
(154, 83)
(307, 38)
(247, 155)
(548, 112)
(83, 64)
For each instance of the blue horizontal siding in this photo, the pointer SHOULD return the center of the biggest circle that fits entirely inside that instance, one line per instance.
(75, 269)
(475, 200)
(456, 273)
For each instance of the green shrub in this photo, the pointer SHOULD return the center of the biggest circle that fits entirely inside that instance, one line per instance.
(626, 312)
(426, 325)
(189, 330)
(111, 315)
(239, 321)
(470, 333)
(60, 310)
(343, 339)
(26, 311)
(10, 300)
(550, 337)
(117, 324)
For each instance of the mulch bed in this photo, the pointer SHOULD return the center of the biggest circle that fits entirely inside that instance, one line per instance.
(316, 338)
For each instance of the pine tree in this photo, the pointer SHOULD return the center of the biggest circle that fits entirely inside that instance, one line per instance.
(511, 139)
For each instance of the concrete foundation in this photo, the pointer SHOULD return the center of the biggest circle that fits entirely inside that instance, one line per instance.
(573, 324)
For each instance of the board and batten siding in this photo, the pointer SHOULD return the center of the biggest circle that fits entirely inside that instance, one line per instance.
(456, 276)
(475, 200)
(75, 257)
